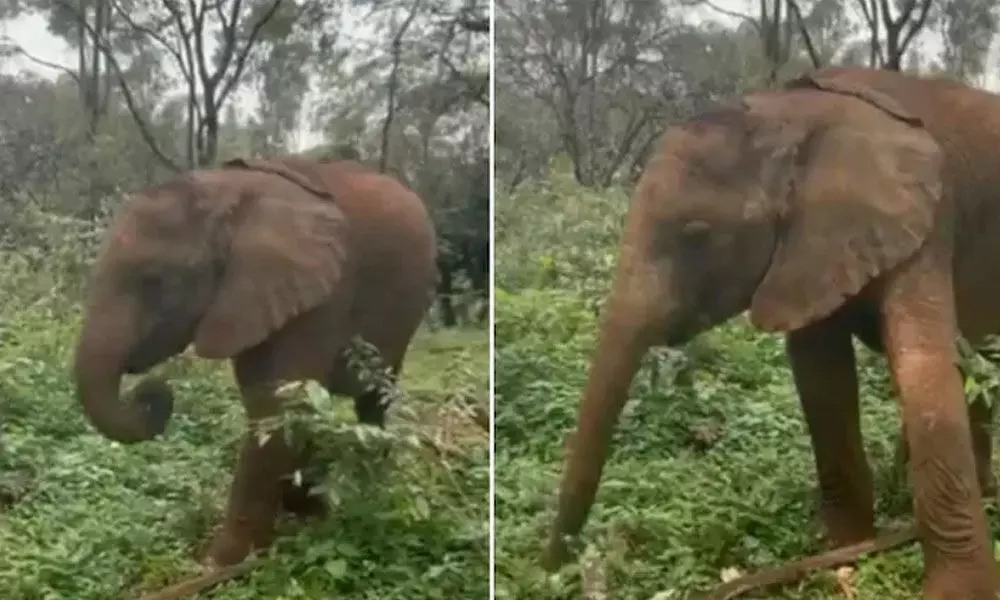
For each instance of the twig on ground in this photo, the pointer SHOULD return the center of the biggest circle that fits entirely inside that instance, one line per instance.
(795, 570)
(201, 582)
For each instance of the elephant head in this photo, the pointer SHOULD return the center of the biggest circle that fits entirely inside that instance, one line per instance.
(218, 258)
(787, 205)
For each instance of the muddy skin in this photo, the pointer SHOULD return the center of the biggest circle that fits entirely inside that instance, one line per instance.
(851, 202)
(274, 264)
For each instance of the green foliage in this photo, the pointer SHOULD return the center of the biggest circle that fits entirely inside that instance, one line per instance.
(557, 234)
(711, 466)
(979, 369)
(89, 519)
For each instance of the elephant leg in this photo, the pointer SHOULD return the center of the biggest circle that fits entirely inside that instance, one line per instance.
(297, 497)
(255, 493)
(253, 499)
(919, 332)
(981, 416)
(822, 360)
(370, 408)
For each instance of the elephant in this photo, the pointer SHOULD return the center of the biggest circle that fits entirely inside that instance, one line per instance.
(274, 263)
(847, 203)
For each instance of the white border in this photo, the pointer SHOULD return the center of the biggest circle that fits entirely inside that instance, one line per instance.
(492, 272)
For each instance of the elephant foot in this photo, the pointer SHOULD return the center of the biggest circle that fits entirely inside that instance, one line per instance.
(845, 526)
(232, 544)
(557, 553)
(845, 536)
(962, 583)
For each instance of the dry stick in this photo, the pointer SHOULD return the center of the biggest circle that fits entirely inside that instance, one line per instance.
(795, 570)
(196, 584)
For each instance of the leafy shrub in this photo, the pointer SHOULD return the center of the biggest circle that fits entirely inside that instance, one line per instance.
(558, 235)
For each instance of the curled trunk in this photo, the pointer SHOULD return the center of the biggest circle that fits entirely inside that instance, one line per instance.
(99, 362)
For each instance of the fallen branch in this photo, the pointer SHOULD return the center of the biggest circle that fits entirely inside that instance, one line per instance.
(204, 581)
(796, 570)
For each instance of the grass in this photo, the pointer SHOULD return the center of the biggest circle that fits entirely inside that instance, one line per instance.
(89, 519)
(711, 467)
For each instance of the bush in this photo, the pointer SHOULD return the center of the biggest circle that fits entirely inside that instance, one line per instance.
(558, 235)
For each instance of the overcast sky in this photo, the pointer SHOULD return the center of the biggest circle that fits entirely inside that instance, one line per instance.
(930, 42)
(30, 32)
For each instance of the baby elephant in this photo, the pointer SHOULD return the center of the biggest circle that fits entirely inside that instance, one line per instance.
(850, 203)
(275, 264)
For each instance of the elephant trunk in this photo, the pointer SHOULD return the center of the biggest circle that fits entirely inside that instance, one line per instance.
(100, 360)
(623, 341)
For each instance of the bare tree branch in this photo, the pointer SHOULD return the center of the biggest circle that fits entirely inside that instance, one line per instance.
(916, 27)
(397, 44)
(804, 32)
(18, 50)
(729, 13)
(144, 128)
(228, 42)
(193, 109)
(154, 35)
(197, 32)
(247, 47)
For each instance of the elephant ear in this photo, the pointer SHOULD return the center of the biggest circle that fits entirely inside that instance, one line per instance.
(287, 256)
(302, 172)
(864, 198)
(864, 84)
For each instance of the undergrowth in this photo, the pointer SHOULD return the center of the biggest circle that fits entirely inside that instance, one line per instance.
(710, 468)
(88, 519)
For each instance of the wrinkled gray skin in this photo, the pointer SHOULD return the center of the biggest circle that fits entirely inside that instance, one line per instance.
(852, 202)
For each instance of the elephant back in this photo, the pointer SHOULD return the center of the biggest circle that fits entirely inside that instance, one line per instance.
(380, 207)
(884, 90)
(300, 171)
